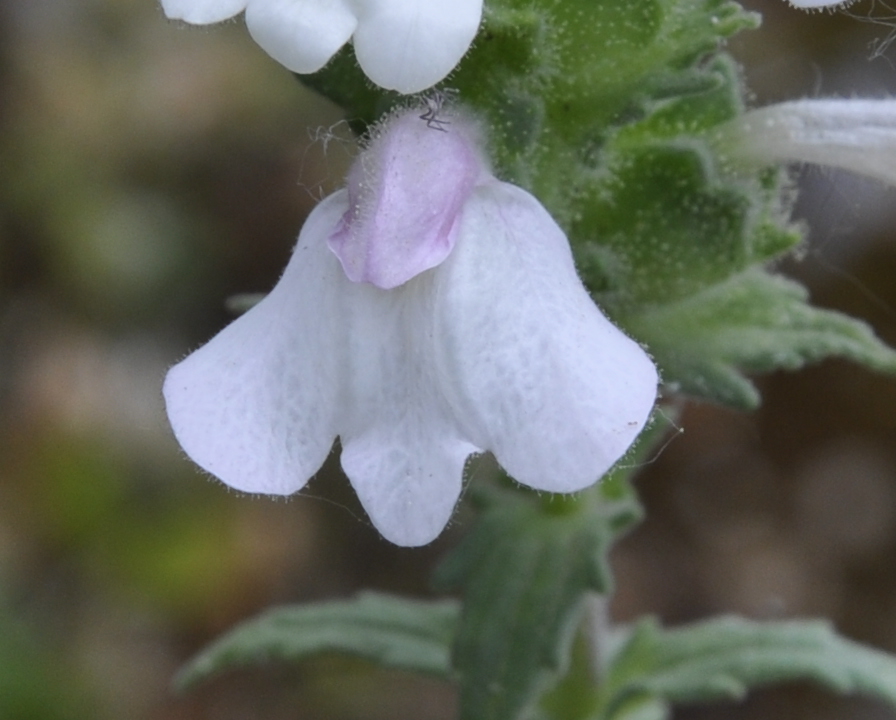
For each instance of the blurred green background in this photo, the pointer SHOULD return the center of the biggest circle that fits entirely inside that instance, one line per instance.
(147, 172)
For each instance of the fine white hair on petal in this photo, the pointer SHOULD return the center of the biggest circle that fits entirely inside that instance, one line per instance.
(202, 12)
(410, 45)
(540, 376)
(302, 35)
(258, 405)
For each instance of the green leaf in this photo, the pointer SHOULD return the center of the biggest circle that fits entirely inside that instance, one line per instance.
(667, 226)
(577, 695)
(393, 632)
(524, 569)
(661, 217)
(552, 80)
(703, 98)
(725, 657)
(610, 55)
(754, 322)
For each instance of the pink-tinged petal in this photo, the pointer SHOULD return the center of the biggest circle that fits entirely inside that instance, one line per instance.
(410, 45)
(542, 378)
(407, 192)
(202, 12)
(259, 405)
(302, 35)
(402, 447)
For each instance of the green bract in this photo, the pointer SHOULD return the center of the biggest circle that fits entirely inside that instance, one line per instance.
(607, 112)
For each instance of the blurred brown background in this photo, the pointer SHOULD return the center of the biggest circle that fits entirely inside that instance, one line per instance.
(147, 172)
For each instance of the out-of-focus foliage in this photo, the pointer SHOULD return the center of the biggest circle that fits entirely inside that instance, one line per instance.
(35, 684)
(143, 177)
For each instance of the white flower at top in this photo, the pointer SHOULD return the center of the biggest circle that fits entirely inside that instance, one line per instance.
(429, 312)
(403, 45)
(857, 135)
(816, 4)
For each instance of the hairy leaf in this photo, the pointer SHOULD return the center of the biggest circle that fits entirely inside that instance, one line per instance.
(524, 570)
(724, 658)
(393, 632)
(754, 322)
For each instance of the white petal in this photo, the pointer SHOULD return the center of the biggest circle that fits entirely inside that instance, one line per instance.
(402, 448)
(302, 35)
(258, 405)
(407, 476)
(857, 135)
(544, 380)
(202, 12)
(814, 4)
(410, 45)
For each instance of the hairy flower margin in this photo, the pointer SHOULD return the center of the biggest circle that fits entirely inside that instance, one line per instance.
(403, 45)
(429, 312)
(818, 4)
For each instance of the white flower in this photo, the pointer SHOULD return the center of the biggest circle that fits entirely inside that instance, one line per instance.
(856, 135)
(816, 4)
(403, 45)
(428, 312)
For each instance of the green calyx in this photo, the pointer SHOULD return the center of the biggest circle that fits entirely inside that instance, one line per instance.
(609, 113)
